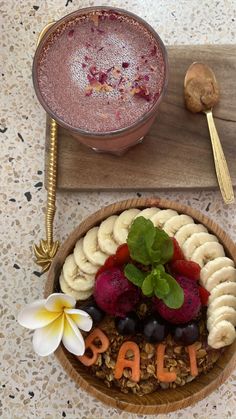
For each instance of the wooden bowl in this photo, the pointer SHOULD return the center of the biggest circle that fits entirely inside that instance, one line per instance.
(161, 401)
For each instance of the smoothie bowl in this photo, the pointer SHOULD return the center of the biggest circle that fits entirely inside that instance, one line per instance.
(101, 73)
(150, 350)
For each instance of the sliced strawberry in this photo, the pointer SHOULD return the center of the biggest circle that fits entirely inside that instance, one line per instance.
(187, 268)
(122, 254)
(110, 262)
(204, 295)
(178, 254)
(121, 257)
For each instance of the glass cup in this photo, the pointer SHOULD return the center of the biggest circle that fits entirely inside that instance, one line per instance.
(115, 141)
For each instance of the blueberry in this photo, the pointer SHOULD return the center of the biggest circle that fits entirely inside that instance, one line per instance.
(186, 334)
(127, 325)
(155, 329)
(95, 312)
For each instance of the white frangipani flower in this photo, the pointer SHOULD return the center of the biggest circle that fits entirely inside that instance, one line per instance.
(55, 319)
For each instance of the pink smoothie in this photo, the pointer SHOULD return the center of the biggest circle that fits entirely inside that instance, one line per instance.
(101, 72)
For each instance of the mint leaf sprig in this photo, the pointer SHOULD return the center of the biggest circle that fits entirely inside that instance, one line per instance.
(149, 245)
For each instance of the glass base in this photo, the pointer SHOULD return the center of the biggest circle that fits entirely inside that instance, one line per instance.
(118, 152)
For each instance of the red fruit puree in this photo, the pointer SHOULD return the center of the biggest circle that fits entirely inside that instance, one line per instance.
(101, 72)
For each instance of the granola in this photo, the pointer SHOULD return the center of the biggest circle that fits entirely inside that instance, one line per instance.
(176, 359)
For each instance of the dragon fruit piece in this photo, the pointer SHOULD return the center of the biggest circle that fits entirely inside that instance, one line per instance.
(190, 308)
(114, 294)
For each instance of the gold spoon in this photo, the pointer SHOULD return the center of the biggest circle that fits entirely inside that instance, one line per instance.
(201, 93)
(47, 249)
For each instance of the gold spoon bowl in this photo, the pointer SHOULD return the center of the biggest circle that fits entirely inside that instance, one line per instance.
(201, 92)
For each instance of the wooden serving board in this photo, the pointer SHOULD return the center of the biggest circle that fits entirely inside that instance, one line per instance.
(177, 151)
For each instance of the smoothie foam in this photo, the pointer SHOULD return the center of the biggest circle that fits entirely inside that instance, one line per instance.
(101, 72)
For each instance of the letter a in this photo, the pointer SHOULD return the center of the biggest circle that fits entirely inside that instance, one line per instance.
(122, 362)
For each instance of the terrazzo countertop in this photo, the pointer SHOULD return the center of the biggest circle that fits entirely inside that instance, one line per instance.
(38, 387)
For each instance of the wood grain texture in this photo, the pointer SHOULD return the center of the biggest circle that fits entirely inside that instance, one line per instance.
(177, 151)
(162, 401)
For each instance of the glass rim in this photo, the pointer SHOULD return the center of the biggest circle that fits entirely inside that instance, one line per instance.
(81, 131)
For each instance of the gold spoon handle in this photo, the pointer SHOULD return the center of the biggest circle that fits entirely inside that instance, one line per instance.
(221, 167)
(47, 249)
(52, 180)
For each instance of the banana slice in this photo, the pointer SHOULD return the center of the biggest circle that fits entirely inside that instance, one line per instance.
(221, 313)
(206, 252)
(162, 216)
(175, 223)
(225, 288)
(223, 300)
(224, 274)
(222, 334)
(148, 213)
(187, 231)
(70, 269)
(196, 240)
(82, 283)
(75, 278)
(91, 248)
(105, 235)
(123, 223)
(213, 266)
(81, 260)
(78, 295)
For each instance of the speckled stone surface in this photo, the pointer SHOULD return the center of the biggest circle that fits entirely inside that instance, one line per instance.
(38, 387)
